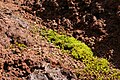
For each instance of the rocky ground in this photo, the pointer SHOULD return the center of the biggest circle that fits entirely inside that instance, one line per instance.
(24, 54)
(95, 22)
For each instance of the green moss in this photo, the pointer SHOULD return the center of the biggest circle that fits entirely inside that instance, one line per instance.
(99, 67)
(20, 45)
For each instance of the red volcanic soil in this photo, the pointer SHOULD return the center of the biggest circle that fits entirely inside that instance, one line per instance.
(24, 54)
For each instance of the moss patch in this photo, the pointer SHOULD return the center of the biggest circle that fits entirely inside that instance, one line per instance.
(97, 67)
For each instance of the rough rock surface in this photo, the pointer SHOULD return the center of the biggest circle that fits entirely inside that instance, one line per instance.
(95, 22)
(25, 55)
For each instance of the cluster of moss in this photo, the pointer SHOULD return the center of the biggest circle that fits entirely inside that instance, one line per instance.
(98, 67)
(19, 45)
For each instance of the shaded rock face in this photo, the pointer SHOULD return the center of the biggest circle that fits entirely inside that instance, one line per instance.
(95, 22)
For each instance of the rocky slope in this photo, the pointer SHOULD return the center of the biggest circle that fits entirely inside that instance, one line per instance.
(24, 54)
(95, 22)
